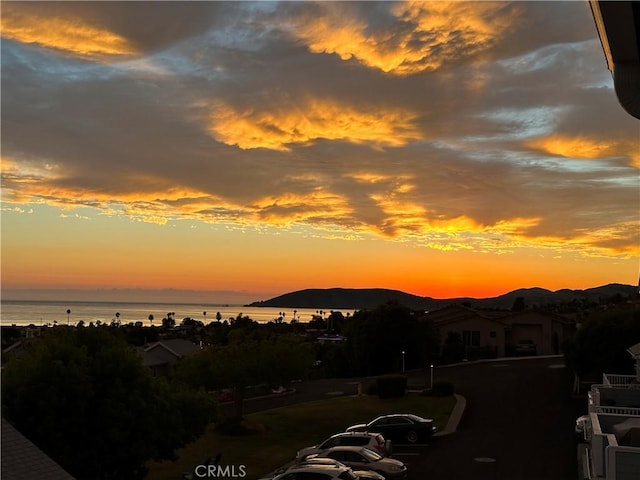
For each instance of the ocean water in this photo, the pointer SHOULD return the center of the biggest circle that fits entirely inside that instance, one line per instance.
(13, 312)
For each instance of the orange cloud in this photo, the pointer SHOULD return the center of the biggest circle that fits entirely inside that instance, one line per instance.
(311, 120)
(426, 36)
(290, 208)
(71, 35)
(587, 148)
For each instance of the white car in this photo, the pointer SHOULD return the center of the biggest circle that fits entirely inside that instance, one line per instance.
(318, 472)
(360, 458)
(361, 474)
(373, 441)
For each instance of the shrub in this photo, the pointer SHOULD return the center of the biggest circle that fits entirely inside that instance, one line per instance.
(391, 386)
(372, 389)
(442, 388)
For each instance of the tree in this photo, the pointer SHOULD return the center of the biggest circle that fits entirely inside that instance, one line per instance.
(376, 339)
(251, 362)
(518, 305)
(85, 399)
(600, 344)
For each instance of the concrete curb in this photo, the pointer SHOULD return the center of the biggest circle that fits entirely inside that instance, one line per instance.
(455, 417)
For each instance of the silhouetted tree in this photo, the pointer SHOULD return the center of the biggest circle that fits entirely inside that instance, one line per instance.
(376, 338)
(84, 397)
(237, 366)
(600, 344)
(518, 305)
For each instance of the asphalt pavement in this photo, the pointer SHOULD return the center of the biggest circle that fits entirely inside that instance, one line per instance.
(517, 422)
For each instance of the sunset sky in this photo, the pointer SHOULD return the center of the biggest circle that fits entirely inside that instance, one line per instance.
(250, 149)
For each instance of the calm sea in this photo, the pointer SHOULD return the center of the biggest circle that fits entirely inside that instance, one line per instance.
(45, 312)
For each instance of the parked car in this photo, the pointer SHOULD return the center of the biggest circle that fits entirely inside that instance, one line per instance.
(318, 472)
(361, 458)
(582, 423)
(361, 474)
(525, 348)
(399, 427)
(373, 441)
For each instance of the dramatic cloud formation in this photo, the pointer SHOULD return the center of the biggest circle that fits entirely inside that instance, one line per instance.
(485, 127)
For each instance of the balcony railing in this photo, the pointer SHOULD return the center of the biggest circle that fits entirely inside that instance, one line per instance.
(617, 380)
(611, 410)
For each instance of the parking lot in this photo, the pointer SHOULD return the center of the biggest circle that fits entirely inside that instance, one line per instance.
(517, 425)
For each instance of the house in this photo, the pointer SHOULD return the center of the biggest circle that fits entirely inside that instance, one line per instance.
(498, 331)
(22, 460)
(474, 328)
(547, 330)
(160, 356)
(612, 451)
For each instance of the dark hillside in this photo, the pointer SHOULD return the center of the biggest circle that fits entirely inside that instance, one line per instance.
(360, 298)
(347, 298)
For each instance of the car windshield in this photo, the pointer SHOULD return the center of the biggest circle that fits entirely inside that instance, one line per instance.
(370, 455)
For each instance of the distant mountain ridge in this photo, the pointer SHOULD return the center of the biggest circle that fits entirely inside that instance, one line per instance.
(360, 298)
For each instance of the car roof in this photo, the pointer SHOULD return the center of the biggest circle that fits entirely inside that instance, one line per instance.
(318, 468)
(355, 434)
(410, 415)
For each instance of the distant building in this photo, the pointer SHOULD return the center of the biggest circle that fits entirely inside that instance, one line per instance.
(499, 332)
(160, 357)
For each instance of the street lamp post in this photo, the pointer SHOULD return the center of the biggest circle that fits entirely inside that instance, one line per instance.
(431, 384)
(403, 361)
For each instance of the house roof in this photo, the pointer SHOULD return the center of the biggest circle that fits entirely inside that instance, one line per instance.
(177, 346)
(459, 313)
(618, 26)
(22, 460)
(149, 359)
(634, 350)
(510, 316)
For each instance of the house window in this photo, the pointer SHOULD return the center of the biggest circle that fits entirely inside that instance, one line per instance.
(492, 334)
(471, 338)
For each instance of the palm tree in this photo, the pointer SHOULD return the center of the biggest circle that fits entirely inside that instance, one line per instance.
(68, 315)
(218, 316)
(151, 319)
(118, 318)
(204, 314)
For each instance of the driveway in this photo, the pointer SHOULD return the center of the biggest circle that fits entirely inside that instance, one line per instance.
(518, 424)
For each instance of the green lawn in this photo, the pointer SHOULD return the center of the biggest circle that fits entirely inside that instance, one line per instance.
(281, 432)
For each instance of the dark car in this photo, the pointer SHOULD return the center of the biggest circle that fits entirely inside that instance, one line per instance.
(399, 427)
(525, 348)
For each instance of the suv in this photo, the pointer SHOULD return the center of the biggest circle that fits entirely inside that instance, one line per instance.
(373, 441)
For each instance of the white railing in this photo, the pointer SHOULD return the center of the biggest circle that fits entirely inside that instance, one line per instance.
(617, 380)
(626, 411)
